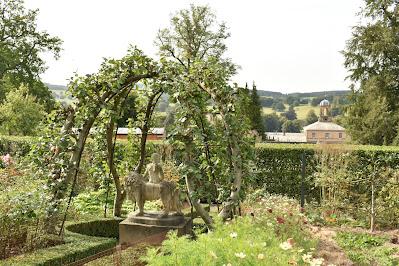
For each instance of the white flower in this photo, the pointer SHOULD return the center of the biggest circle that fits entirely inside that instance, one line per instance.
(240, 255)
(261, 256)
(286, 245)
(307, 258)
(317, 262)
(228, 264)
(213, 255)
(264, 244)
(233, 235)
(300, 250)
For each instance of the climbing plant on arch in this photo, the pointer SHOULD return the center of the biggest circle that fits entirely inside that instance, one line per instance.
(210, 130)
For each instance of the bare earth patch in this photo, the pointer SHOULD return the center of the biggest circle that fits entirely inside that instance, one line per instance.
(328, 249)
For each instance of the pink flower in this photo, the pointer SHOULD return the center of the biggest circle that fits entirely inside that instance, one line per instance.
(6, 159)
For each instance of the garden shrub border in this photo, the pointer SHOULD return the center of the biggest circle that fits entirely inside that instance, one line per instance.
(16, 145)
(81, 242)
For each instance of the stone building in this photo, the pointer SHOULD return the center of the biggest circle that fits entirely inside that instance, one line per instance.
(324, 130)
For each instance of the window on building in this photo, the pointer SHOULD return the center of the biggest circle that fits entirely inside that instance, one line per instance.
(313, 135)
(340, 135)
(327, 135)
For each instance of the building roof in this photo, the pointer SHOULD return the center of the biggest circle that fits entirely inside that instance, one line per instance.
(287, 137)
(324, 102)
(323, 126)
(137, 131)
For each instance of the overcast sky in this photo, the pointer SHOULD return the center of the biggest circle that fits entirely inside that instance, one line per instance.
(284, 45)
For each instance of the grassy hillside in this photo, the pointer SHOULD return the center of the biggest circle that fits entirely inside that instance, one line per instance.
(301, 110)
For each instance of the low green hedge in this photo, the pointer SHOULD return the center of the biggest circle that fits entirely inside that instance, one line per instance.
(82, 240)
(100, 228)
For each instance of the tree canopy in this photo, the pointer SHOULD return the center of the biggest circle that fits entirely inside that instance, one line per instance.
(372, 56)
(21, 48)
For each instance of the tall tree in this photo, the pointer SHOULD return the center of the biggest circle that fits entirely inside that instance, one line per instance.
(21, 46)
(311, 117)
(255, 112)
(290, 114)
(193, 49)
(272, 122)
(372, 56)
(20, 112)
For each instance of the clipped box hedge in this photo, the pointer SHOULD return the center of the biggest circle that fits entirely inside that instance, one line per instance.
(100, 228)
(82, 240)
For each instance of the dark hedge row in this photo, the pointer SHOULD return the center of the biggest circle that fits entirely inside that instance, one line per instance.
(279, 165)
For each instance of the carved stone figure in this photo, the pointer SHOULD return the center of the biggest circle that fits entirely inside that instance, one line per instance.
(139, 191)
(154, 170)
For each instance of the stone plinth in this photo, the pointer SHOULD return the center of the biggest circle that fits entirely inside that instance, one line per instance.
(151, 228)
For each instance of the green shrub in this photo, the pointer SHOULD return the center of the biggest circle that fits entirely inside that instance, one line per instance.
(14, 145)
(101, 228)
(76, 247)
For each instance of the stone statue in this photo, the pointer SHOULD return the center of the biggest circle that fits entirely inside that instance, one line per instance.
(154, 170)
(138, 190)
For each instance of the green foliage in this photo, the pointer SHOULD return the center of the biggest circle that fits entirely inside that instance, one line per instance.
(92, 202)
(366, 249)
(23, 205)
(99, 227)
(20, 113)
(22, 45)
(278, 170)
(272, 122)
(292, 126)
(311, 117)
(370, 57)
(14, 145)
(255, 112)
(341, 175)
(370, 119)
(290, 114)
(278, 106)
(246, 240)
(76, 247)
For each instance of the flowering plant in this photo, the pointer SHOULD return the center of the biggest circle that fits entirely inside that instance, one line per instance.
(5, 160)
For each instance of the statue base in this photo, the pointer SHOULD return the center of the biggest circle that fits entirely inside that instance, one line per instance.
(151, 227)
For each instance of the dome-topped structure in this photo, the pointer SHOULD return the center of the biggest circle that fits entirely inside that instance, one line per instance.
(324, 102)
(324, 130)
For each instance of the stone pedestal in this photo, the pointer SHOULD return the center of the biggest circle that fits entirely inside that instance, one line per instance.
(151, 228)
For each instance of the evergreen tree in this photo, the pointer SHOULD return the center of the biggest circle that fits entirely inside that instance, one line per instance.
(255, 112)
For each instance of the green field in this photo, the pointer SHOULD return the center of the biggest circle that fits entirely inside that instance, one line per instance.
(301, 110)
